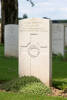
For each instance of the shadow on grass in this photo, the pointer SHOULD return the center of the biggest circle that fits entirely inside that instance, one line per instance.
(62, 85)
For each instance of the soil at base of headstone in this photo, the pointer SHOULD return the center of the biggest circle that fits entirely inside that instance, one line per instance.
(57, 92)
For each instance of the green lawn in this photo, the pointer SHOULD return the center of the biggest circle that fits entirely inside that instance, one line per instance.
(17, 96)
(60, 72)
(9, 71)
(8, 66)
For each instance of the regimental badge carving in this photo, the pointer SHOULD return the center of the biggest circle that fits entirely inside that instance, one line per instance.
(33, 50)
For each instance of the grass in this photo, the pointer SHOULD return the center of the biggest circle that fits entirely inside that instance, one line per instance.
(15, 96)
(8, 66)
(60, 72)
(9, 71)
(65, 48)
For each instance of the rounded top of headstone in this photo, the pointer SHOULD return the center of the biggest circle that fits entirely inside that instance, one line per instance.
(11, 25)
(32, 19)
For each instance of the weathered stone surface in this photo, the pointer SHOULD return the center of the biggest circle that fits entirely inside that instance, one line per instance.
(11, 40)
(0, 33)
(35, 49)
(58, 39)
(65, 36)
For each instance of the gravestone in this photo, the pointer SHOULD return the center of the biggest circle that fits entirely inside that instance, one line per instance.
(35, 49)
(11, 40)
(66, 36)
(0, 33)
(58, 39)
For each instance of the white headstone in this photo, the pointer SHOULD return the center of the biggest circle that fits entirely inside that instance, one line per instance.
(0, 33)
(65, 36)
(35, 49)
(58, 39)
(11, 40)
